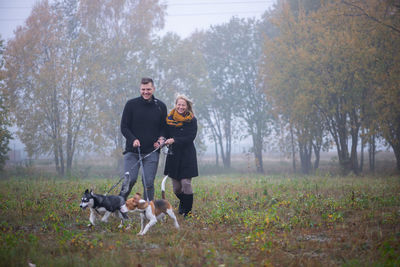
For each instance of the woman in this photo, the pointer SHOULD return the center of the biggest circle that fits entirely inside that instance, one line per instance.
(181, 164)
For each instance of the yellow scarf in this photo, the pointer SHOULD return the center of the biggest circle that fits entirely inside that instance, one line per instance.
(177, 120)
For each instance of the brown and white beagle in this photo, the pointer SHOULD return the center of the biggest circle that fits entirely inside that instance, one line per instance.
(153, 210)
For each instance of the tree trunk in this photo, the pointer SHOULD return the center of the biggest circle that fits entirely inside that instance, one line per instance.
(393, 138)
(257, 148)
(353, 157)
(336, 124)
(62, 164)
(69, 125)
(317, 153)
(305, 151)
(228, 144)
(221, 147)
(317, 144)
(396, 150)
(218, 137)
(371, 153)
(226, 154)
(293, 150)
(216, 153)
(56, 159)
(362, 151)
(343, 150)
(259, 160)
(69, 135)
(57, 134)
(354, 130)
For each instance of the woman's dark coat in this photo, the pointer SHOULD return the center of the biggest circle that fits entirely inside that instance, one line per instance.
(183, 161)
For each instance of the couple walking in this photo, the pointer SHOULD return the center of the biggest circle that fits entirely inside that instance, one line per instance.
(146, 127)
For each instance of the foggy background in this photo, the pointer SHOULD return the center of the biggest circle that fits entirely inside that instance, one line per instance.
(277, 85)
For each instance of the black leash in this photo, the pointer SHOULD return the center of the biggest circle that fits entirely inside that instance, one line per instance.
(143, 176)
(139, 161)
(114, 186)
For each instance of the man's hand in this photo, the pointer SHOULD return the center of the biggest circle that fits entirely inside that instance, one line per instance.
(136, 143)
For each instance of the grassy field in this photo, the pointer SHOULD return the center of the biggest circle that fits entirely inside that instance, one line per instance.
(238, 220)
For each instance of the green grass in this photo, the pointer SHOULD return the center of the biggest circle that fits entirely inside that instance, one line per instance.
(238, 220)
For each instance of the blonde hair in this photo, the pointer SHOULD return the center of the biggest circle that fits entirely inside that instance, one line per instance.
(189, 102)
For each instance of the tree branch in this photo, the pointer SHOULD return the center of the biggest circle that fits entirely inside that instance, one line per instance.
(371, 17)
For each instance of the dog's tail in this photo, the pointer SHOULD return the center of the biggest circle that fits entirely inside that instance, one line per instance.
(163, 187)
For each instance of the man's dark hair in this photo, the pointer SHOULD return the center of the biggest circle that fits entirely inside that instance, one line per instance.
(147, 80)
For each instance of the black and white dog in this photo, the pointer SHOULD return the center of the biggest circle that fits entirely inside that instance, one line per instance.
(104, 204)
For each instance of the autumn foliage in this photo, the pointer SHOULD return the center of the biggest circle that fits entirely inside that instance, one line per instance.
(335, 69)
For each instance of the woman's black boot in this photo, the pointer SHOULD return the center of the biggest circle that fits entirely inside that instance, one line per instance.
(187, 204)
(180, 196)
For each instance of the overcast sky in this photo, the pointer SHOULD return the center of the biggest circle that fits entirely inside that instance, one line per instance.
(183, 16)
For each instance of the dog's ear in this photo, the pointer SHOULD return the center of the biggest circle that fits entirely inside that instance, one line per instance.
(130, 203)
(87, 191)
(91, 192)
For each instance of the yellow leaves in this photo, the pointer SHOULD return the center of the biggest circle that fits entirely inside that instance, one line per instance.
(284, 203)
(331, 55)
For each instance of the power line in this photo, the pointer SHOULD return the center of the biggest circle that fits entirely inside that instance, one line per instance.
(11, 20)
(221, 3)
(180, 4)
(214, 13)
(15, 7)
(183, 15)
(176, 4)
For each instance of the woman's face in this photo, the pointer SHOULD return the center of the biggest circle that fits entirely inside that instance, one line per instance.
(181, 106)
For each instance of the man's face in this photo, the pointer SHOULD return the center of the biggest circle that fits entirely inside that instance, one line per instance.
(146, 90)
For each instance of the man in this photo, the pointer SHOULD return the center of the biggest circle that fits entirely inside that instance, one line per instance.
(143, 125)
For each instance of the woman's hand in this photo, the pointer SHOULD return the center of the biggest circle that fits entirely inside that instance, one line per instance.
(169, 141)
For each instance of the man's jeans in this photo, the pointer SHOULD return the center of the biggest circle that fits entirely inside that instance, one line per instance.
(150, 165)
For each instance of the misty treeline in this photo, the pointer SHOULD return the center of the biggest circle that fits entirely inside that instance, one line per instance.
(309, 76)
